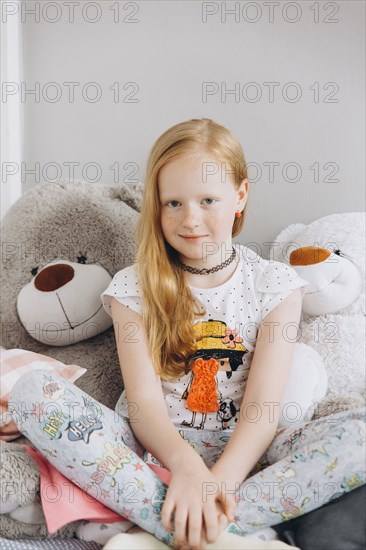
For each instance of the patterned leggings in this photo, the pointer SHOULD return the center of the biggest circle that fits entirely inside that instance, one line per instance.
(303, 468)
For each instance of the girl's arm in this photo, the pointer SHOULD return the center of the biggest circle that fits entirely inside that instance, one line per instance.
(148, 414)
(186, 495)
(267, 381)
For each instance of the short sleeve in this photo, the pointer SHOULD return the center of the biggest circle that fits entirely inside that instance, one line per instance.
(124, 288)
(275, 282)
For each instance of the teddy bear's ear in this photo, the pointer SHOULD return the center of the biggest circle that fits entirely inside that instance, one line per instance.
(131, 194)
(290, 233)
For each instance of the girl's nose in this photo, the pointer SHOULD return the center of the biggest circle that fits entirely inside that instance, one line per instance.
(191, 217)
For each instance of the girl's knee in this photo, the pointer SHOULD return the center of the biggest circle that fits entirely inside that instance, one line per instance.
(30, 386)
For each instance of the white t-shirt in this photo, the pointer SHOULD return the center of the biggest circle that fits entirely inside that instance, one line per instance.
(210, 395)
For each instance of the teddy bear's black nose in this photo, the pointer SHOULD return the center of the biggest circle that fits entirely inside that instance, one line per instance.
(53, 277)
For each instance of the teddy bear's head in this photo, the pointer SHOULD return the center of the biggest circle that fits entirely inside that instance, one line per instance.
(61, 245)
(329, 253)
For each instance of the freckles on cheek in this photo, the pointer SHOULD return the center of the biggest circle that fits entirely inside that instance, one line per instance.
(218, 218)
(168, 220)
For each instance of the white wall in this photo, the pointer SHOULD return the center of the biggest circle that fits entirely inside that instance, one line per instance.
(12, 114)
(169, 51)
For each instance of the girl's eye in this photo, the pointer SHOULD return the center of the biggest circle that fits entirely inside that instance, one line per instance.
(207, 199)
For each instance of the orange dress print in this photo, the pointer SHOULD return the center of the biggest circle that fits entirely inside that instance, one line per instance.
(203, 395)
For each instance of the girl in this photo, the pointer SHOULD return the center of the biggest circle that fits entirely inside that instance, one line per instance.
(200, 328)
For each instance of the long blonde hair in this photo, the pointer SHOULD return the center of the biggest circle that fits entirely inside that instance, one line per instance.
(168, 304)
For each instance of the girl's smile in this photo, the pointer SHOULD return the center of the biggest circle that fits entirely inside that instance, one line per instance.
(193, 238)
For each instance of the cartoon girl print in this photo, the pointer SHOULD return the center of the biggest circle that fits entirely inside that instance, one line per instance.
(219, 348)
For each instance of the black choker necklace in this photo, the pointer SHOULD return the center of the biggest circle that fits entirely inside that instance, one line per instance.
(205, 271)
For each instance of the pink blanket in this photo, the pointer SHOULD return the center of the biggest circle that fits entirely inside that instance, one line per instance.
(64, 502)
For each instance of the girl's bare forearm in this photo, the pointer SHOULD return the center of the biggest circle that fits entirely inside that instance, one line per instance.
(156, 432)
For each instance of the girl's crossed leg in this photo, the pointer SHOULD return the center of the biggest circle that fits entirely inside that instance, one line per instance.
(303, 469)
(90, 445)
(96, 449)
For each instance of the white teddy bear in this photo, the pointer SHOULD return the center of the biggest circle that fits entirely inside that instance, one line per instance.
(329, 253)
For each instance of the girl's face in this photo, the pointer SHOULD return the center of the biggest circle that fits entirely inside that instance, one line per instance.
(198, 198)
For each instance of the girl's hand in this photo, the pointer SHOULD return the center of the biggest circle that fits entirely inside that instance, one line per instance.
(228, 490)
(194, 498)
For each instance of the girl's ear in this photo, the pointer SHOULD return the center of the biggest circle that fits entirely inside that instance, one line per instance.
(243, 192)
(245, 184)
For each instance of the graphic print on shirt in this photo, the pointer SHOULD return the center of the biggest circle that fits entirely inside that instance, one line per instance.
(218, 348)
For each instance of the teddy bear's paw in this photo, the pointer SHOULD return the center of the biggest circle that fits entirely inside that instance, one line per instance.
(8, 505)
(30, 513)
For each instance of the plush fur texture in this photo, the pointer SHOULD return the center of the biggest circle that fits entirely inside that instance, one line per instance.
(20, 482)
(62, 221)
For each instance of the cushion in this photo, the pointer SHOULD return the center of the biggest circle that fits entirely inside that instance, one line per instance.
(13, 364)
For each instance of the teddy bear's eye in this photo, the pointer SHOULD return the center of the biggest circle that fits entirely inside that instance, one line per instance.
(343, 255)
(34, 271)
(81, 259)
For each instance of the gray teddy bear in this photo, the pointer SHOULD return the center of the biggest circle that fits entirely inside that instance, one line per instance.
(84, 233)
